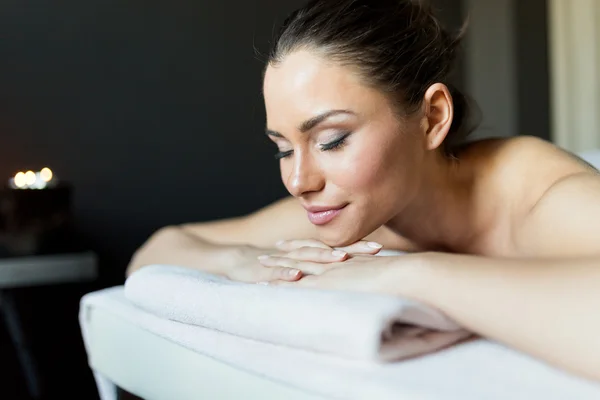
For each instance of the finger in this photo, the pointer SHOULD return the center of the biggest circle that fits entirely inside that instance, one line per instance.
(277, 261)
(279, 273)
(362, 247)
(290, 245)
(306, 267)
(316, 254)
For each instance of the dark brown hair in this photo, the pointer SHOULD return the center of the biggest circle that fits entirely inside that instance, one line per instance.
(398, 46)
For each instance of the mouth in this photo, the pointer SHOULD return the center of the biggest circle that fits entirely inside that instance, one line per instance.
(323, 215)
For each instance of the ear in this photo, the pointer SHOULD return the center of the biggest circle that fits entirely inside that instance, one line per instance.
(438, 114)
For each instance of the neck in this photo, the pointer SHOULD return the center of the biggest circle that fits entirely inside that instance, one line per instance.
(440, 215)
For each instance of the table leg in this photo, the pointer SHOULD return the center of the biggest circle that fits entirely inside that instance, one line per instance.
(13, 323)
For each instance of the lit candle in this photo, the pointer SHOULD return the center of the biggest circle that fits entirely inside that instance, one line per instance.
(30, 178)
(20, 180)
(46, 174)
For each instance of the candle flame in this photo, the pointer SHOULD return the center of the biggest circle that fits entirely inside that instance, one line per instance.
(46, 174)
(29, 178)
(20, 180)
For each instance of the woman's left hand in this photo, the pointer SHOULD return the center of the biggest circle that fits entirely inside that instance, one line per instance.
(393, 275)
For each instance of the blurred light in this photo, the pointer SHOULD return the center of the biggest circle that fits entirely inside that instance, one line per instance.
(20, 180)
(29, 178)
(46, 174)
(38, 184)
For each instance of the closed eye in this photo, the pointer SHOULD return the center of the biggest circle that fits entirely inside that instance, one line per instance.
(336, 144)
(283, 154)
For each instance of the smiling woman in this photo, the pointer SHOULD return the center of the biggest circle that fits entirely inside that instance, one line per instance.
(371, 147)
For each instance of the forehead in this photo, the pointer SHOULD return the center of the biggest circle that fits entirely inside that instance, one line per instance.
(304, 85)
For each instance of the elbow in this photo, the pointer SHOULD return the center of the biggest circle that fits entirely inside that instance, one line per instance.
(146, 254)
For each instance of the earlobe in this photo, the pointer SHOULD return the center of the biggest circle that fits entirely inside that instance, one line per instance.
(439, 114)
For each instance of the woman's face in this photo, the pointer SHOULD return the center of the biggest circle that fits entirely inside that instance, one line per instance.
(345, 155)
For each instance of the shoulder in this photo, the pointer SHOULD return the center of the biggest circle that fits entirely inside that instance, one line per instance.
(525, 167)
(536, 186)
(528, 152)
(552, 198)
(528, 149)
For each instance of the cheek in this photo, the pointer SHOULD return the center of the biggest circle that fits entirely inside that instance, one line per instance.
(363, 172)
(379, 176)
(367, 167)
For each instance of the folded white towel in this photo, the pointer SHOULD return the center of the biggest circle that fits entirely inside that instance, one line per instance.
(353, 325)
(472, 370)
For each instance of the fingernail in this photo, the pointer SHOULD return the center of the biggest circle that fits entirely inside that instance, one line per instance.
(263, 257)
(338, 253)
(374, 245)
(293, 272)
(262, 283)
(280, 242)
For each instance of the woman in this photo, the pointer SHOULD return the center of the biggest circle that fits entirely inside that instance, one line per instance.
(503, 234)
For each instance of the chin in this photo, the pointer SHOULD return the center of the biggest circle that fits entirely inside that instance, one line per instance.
(339, 237)
(352, 225)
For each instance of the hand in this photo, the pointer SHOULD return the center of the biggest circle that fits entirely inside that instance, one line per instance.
(314, 256)
(245, 266)
(391, 275)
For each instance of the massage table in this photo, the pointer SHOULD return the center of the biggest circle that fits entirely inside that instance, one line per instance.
(132, 349)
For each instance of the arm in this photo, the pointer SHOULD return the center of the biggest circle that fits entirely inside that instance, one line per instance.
(547, 308)
(173, 245)
(217, 246)
(546, 303)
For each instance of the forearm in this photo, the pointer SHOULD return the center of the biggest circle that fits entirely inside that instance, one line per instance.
(174, 246)
(547, 308)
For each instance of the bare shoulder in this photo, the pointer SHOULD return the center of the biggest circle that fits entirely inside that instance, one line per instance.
(513, 177)
(523, 168)
(551, 196)
(536, 154)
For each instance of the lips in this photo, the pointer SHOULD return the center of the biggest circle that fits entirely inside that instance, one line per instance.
(321, 215)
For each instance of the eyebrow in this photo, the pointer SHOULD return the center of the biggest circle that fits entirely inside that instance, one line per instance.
(312, 122)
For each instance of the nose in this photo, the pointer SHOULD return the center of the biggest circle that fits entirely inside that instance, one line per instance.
(305, 175)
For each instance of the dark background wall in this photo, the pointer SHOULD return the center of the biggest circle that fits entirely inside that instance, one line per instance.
(506, 66)
(153, 112)
(532, 64)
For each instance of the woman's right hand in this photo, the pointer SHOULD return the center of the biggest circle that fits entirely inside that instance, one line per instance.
(247, 268)
(249, 264)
